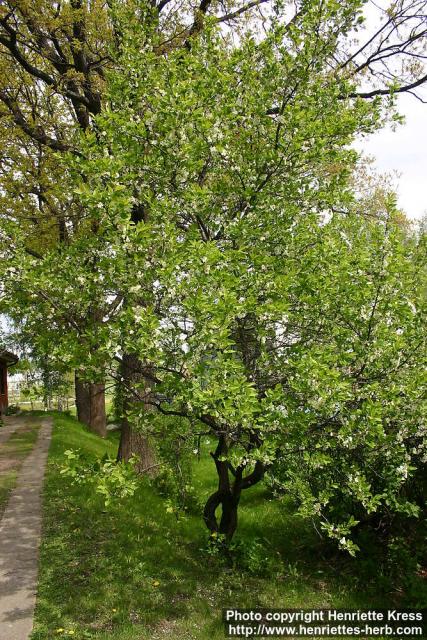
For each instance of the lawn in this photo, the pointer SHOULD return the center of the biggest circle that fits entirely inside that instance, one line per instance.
(133, 572)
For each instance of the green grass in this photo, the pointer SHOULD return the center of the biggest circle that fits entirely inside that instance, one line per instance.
(133, 572)
(7, 483)
(20, 442)
(14, 451)
(37, 406)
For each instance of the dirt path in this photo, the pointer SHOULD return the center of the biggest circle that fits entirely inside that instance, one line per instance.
(20, 530)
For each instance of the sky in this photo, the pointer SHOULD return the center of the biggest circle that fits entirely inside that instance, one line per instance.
(404, 152)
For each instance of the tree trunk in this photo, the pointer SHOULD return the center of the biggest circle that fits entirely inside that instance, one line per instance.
(229, 510)
(228, 494)
(132, 442)
(82, 400)
(90, 405)
(98, 418)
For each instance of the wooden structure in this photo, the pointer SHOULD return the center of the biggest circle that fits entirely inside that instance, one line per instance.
(7, 359)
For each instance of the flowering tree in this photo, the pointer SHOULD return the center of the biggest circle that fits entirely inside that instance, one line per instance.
(242, 289)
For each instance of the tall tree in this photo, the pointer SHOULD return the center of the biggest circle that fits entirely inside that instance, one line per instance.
(49, 91)
(245, 286)
(89, 63)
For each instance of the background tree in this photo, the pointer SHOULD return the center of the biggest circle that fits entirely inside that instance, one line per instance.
(51, 65)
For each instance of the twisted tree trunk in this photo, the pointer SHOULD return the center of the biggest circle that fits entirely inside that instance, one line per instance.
(228, 493)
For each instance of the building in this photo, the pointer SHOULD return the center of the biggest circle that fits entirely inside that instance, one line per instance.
(7, 359)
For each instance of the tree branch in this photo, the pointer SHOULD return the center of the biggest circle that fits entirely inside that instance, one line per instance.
(385, 92)
(238, 12)
(35, 132)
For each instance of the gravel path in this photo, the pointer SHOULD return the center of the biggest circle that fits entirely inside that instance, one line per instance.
(20, 531)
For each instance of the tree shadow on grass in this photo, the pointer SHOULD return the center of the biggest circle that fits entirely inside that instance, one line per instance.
(134, 571)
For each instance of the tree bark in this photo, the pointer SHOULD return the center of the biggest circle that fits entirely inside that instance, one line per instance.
(90, 405)
(82, 400)
(229, 505)
(98, 418)
(132, 442)
(228, 494)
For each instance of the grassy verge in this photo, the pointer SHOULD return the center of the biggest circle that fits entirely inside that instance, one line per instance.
(133, 572)
(12, 454)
